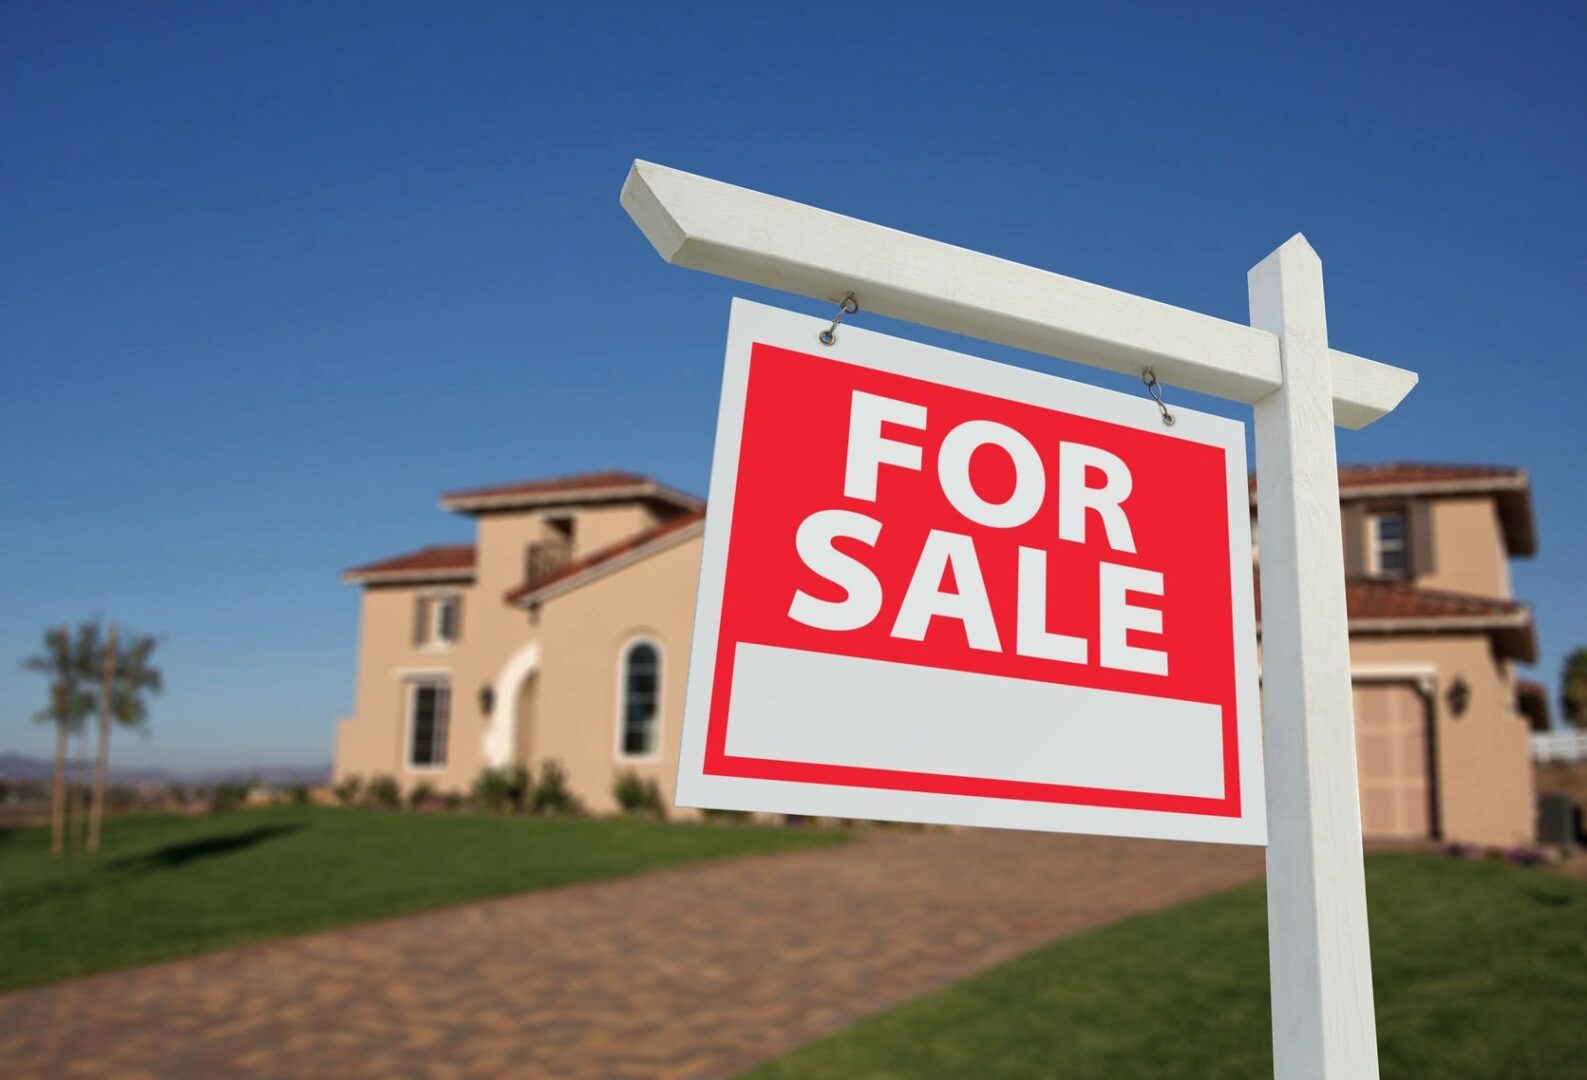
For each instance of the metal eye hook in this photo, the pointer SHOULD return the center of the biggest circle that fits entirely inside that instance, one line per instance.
(1155, 388)
(847, 306)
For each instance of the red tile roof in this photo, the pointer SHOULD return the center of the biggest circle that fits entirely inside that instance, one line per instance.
(1413, 472)
(590, 481)
(606, 555)
(1377, 599)
(1370, 599)
(1398, 474)
(574, 488)
(1377, 606)
(438, 561)
(1372, 604)
(1508, 484)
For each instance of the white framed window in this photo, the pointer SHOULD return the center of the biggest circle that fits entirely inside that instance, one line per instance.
(437, 619)
(445, 619)
(429, 713)
(639, 700)
(1390, 555)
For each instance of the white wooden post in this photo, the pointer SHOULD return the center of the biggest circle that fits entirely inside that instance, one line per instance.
(1323, 1022)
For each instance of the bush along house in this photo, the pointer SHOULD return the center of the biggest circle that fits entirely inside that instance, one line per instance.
(562, 633)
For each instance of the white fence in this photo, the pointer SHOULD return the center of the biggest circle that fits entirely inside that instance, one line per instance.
(1559, 746)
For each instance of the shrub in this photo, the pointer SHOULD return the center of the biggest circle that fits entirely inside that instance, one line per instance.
(348, 790)
(727, 817)
(638, 795)
(422, 795)
(299, 795)
(384, 792)
(551, 792)
(451, 800)
(228, 795)
(505, 787)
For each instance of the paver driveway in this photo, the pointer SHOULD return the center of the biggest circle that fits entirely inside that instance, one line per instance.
(694, 972)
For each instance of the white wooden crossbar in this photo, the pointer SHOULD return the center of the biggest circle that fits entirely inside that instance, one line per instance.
(709, 225)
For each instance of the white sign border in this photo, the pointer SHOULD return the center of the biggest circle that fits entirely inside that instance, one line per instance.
(751, 323)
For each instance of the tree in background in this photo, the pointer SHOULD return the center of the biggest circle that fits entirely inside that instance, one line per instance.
(1573, 688)
(126, 678)
(69, 704)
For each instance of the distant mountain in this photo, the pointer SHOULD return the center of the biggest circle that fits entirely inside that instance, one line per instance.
(23, 767)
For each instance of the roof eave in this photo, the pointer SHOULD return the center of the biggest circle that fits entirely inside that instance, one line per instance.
(1531, 701)
(407, 577)
(1514, 634)
(464, 502)
(1515, 480)
(1515, 518)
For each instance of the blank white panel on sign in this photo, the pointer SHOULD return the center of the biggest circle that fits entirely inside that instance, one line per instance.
(838, 710)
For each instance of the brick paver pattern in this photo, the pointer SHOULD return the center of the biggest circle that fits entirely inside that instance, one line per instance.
(694, 972)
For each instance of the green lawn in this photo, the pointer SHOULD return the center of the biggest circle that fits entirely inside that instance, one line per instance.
(165, 886)
(1480, 969)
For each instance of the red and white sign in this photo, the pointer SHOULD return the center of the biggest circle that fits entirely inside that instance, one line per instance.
(935, 588)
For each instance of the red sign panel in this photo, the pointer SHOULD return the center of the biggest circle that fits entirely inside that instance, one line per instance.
(936, 588)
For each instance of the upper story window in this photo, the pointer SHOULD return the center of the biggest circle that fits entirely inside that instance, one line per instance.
(1390, 557)
(641, 700)
(429, 710)
(437, 618)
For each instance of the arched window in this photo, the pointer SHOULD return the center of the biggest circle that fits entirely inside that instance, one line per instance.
(641, 699)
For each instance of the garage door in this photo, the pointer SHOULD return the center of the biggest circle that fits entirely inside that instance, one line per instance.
(1392, 756)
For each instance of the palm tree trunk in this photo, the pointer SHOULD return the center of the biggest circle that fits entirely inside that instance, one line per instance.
(96, 810)
(74, 812)
(58, 792)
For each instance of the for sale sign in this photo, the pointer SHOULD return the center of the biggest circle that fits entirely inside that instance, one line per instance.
(935, 588)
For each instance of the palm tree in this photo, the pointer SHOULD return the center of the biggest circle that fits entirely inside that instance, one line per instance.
(1573, 687)
(68, 705)
(126, 676)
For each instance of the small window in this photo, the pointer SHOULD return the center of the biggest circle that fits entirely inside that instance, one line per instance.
(1388, 544)
(641, 699)
(437, 619)
(430, 704)
(446, 619)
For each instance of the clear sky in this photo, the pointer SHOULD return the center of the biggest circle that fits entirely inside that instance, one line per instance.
(273, 276)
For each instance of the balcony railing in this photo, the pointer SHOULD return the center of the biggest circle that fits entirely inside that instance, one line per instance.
(1559, 746)
(545, 558)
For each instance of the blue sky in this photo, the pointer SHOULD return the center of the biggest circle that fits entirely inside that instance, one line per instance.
(276, 275)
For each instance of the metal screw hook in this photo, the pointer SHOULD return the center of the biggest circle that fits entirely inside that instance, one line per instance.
(1155, 388)
(847, 306)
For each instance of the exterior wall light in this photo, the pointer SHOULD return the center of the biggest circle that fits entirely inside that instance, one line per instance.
(487, 698)
(1458, 696)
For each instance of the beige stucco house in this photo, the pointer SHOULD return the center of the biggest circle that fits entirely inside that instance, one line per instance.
(562, 633)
